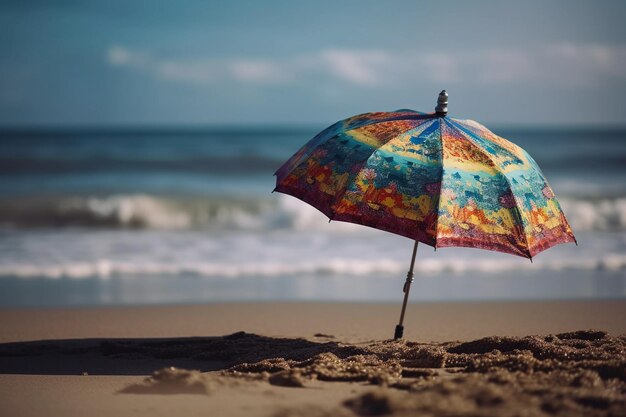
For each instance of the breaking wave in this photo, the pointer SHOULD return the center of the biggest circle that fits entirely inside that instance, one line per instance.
(596, 214)
(331, 267)
(136, 211)
(139, 211)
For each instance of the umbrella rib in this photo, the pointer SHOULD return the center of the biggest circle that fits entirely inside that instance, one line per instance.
(440, 188)
(353, 176)
(469, 135)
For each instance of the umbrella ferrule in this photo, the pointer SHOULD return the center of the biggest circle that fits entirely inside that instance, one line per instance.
(442, 104)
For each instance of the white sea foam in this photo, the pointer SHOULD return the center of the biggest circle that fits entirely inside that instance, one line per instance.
(331, 267)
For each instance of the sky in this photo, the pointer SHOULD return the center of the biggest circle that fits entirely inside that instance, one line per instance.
(155, 63)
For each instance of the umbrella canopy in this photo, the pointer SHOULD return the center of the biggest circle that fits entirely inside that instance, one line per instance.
(432, 178)
(429, 177)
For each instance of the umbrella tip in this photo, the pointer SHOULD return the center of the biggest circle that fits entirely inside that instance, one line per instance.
(442, 104)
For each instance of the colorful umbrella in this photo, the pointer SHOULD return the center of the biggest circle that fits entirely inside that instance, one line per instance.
(432, 178)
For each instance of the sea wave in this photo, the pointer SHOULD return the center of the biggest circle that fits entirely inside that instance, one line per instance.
(136, 211)
(139, 211)
(608, 214)
(105, 269)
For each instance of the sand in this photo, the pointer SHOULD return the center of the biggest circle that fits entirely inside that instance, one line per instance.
(316, 359)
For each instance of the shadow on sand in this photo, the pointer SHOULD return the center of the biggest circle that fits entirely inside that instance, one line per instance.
(143, 356)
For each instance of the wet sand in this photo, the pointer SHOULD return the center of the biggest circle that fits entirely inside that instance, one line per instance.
(301, 359)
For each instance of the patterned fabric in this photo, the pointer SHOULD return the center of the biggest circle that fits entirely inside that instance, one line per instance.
(438, 180)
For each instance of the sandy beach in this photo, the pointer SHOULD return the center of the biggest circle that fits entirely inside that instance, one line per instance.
(222, 208)
(320, 359)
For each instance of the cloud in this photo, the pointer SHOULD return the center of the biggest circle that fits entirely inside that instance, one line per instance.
(118, 56)
(554, 64)
(198, 71)
(586, 61)
(497, 66)
(358, 67)
(355, 67)
(440, 67)
(259, 71)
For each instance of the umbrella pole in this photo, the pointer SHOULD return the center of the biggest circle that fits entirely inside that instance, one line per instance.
(407, 287)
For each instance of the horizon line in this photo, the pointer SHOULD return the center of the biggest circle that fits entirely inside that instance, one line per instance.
(247, 126)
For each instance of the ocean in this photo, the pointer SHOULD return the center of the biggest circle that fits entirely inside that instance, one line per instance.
(144, 216)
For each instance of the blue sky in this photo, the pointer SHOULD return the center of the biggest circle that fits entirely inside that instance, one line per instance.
(272, 62)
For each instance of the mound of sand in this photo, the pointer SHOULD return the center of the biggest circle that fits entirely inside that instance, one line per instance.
(570, 374)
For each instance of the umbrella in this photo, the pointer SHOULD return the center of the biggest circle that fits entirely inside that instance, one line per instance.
(429, 177)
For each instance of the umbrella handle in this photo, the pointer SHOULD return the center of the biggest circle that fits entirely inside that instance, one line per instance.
(407, 287)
